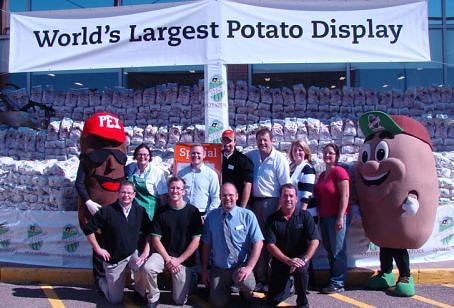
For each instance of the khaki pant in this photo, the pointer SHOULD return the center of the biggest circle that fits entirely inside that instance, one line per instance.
(114, 282)
(147, 281)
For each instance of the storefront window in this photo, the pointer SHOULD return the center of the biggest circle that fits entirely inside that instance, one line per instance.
(450, 56)
(141, 78)
(40, 5)
(4, 52)
(401, 75)
(64, 80)
(277, 75)
(17, 5)
(131, 2)
(435, 8)
(435, 13)
(450, 11)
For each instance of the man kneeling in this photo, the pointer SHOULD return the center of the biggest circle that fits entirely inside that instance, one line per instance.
(291, 239)
(121, 223)
(175, 235)
(233, 239)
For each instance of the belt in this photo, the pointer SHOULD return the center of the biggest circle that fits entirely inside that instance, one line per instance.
(264, 198)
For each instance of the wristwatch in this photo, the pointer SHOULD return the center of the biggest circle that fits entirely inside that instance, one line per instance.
(305, 259)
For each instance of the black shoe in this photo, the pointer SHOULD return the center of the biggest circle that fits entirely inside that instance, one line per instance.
(234, 289)
(152, 305)
(332, 289)
(313, 288)
(132, 286)
(261, 287)
(246, 298)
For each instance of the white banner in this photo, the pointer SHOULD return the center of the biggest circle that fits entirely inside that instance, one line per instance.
(46, 238)
(216, 102)
(43, 238)
(220, 32)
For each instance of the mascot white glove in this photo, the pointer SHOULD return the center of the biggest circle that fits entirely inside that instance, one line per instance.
(92, 206)
(410, 206)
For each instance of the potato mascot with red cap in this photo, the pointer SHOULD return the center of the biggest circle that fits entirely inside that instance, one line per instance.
(398, 193)
(101, 168)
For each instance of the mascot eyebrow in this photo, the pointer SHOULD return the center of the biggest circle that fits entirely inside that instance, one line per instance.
(382, 135)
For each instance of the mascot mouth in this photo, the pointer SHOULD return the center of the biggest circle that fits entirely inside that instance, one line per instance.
(375, 180)
(108, 183)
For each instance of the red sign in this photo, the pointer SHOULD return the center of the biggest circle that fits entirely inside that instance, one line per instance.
(213, 157)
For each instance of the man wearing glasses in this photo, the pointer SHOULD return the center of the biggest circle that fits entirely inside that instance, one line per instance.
(175, 236)
(123, 220)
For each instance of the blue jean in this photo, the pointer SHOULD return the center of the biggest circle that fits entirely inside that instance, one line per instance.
(335, 243)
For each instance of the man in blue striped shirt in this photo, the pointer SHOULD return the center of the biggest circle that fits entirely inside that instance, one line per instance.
(202, 182)
(233, 241)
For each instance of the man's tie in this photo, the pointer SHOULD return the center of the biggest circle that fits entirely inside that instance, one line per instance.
(228, 238)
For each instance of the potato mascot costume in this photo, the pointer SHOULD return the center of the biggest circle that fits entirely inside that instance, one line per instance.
(398, 193)
(101, 168)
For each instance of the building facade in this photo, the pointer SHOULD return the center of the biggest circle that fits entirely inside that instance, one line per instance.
(376, 76)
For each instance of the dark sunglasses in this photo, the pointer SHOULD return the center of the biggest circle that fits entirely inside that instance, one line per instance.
(100, 156)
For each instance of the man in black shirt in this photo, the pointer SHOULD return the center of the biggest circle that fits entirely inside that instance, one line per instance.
(237, 168)
(123, 221)
(175, 235)
(291, 238)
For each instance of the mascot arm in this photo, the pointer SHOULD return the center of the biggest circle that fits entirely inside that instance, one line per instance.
(80, 184)
(92, 206)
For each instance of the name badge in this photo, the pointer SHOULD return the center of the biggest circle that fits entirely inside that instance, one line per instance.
(239, 228)
(231, 167)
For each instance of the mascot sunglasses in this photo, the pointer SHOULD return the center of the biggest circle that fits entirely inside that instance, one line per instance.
(99, 156)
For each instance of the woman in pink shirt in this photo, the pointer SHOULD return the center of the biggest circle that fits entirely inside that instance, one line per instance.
(332, 193)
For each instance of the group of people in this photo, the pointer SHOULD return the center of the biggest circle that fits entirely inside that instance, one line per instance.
(253, 230)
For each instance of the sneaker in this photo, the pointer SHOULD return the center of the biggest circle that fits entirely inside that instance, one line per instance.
(381, 281)
(332, 289)
(405, 287)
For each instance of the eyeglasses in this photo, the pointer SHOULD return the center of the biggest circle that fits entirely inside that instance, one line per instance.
(176, 188)
(126, 193)
(143, 155)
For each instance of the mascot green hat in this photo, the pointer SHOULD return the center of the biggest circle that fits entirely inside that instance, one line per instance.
(376, 121)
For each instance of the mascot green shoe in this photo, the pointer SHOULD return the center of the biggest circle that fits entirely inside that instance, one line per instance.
(381, 281)
(405, 287)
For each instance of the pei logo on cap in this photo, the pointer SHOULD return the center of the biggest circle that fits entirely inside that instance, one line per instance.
(105, 125)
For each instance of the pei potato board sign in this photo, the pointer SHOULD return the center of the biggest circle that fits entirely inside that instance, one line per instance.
(213, 158)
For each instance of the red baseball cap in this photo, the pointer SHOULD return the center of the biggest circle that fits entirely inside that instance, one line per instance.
(228, 133)
(105, 125)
